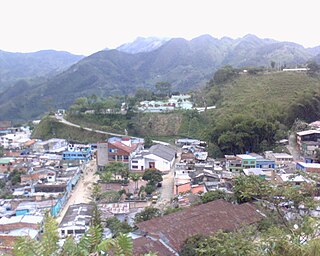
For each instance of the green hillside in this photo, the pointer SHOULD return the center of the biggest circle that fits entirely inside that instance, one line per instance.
(253, 111)
(186, 65)
(49, 127)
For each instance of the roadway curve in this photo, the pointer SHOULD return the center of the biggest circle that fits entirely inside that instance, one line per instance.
(64, 121)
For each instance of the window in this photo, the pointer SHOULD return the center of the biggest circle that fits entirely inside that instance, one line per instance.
(134, 166)
(125, 157)
(134, 161)
(252, 162)
(245, 162)
(113, 150)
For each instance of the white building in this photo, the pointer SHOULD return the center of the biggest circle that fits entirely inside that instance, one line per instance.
(159, 156)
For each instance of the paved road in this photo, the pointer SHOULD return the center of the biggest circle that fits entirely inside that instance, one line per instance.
(82, 192)
(62, 120)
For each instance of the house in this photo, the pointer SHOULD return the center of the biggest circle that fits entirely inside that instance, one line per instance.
(77, 152)
(236, 164)
(254, 171)
(159, 156)
(309, 135)
(35, 207)
(4, 125)
(144, 245)
(50, 146)
(118, 150)
(295, 179)
(76, 221)
(6, 164)
(172, 230)
(280, 159)
(15, 227)
(265, 163)
(308, 167)
(102, 155)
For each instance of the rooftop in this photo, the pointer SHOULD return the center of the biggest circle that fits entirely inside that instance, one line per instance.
(163, 151)
(309, 165)
(21, 219)
(244, 156)
(308, 132)
(201, 219)
(77, 214)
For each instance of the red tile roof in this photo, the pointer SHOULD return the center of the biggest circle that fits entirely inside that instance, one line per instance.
(122, 146)
(203, 219)
(144, 245)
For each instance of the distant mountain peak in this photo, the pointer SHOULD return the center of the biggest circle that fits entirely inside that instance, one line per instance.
(143, 44)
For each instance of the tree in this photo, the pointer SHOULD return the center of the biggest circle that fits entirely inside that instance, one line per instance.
(224, 74)
(152, 175)
(247, 188)
(135, 177)
(117, 227)
(149, 189)
(238, 243)
(148, 142)
(120, 246)
(147, 214)
(273, 64)
(313, 67)
(96, 192)
(164, 88)
(117, 168)
(47, 246)
(213, 195)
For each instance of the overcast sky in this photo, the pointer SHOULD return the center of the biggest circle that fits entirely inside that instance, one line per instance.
(85, 27)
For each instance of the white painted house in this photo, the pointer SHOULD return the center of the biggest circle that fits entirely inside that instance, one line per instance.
(159, 156)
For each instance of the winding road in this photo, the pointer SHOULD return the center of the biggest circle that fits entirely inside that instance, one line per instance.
(64, 121)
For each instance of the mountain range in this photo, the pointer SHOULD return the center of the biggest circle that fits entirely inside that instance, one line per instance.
(36, 65)
(186, 64)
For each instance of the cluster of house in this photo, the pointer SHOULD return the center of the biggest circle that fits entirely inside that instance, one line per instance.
(308, 147)
(47, 170)
(175, 102)
(131, 150)
(196, 173)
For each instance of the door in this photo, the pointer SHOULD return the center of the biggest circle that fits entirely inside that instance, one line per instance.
(152, 165)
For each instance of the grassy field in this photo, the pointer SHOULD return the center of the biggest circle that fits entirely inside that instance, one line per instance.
(264, 96)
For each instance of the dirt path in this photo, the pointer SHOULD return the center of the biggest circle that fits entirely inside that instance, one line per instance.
(167, 189)
(81, 193)
(292, 147)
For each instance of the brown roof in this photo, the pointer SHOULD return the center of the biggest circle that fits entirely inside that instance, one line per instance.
(144, 245)
(5, 124)
(204, 219)
(122, 146)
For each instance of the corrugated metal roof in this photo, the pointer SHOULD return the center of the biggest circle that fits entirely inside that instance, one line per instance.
(163, 151)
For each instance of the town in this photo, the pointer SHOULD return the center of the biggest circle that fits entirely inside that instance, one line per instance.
(129, 182)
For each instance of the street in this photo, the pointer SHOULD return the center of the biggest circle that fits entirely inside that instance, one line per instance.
(82, 191)
(166, 191)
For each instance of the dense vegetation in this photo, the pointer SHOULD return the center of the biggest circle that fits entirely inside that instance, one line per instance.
(254, 110)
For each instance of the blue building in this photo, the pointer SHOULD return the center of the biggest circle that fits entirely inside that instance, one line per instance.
(265, 163)
(76, 155)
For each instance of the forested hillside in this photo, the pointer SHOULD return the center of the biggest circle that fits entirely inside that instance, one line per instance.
(186, 65)
(254, 110)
